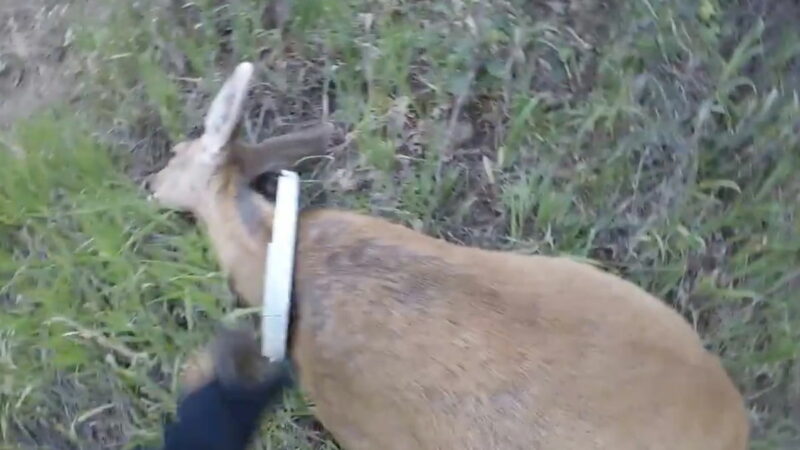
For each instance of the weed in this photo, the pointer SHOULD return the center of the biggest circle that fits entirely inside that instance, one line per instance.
(657, 139)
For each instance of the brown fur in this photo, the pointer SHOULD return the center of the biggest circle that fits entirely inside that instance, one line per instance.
(404, 341)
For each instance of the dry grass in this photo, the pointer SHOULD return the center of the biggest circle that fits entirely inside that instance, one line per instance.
(658, 139)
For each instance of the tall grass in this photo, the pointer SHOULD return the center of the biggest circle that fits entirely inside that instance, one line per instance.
(657, 139)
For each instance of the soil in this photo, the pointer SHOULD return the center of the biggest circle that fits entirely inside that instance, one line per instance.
(36, 67)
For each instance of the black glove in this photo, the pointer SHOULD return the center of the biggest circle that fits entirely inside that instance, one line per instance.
(225, 413)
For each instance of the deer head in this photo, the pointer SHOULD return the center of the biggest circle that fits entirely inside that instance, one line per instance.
(191, 178)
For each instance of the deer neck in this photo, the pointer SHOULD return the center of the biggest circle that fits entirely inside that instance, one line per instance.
(238, 221)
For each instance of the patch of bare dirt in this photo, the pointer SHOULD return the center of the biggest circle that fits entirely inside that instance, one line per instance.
(36, 68)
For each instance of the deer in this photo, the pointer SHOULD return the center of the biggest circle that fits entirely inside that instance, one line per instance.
(402, 340)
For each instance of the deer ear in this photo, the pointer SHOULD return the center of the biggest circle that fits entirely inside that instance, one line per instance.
(282, 152)
(226, 109)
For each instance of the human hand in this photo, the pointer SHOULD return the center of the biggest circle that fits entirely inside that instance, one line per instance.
(224, 413)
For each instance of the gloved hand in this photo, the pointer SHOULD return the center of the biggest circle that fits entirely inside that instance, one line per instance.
(224, 414)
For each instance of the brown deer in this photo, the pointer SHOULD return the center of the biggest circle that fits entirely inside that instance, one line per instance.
(403, 341)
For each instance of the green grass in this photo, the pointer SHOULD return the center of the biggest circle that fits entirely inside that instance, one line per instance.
(104, 299)
(658, 139)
